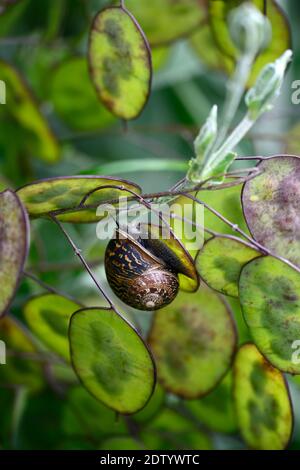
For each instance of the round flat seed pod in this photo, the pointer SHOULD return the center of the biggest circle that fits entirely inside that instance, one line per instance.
(220, 262)
(262, 401)
(270, 299)
(14, 242)
(111, 359)
(48, 317)
(120, 62)
(63, 194)
(191, 351)
(271, 203)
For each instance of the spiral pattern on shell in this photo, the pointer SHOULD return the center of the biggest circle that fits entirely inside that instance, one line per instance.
(138, 278)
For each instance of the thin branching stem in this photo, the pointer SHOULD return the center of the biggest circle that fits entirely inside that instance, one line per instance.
(51, 289)
(78, 253)
(145, 200)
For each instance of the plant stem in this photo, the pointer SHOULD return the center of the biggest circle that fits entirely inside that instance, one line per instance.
(236, 136)
(84, 263)
(21, 395)
(236, 228)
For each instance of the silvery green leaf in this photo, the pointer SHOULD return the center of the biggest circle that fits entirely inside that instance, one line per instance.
(267, 87)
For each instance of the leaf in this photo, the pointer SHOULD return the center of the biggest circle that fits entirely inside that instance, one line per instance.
(220, 262)
(262, 401)
(281, 35)
(120, 62)
(67, 192)
(216, 410)
(272, 208)
(48, 316)
(20, 368)
(75, 100)
(175, 254)
(269, 296)
(191, 351)
(14, 242)
(40, 141)
(171, 431)
(164, 22)
(111, 359)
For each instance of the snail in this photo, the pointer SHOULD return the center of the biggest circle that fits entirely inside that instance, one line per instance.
(143, 273)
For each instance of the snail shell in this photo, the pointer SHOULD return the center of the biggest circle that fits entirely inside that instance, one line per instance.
(138, 277)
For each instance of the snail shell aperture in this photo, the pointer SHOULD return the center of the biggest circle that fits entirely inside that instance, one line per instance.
(138, 277)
